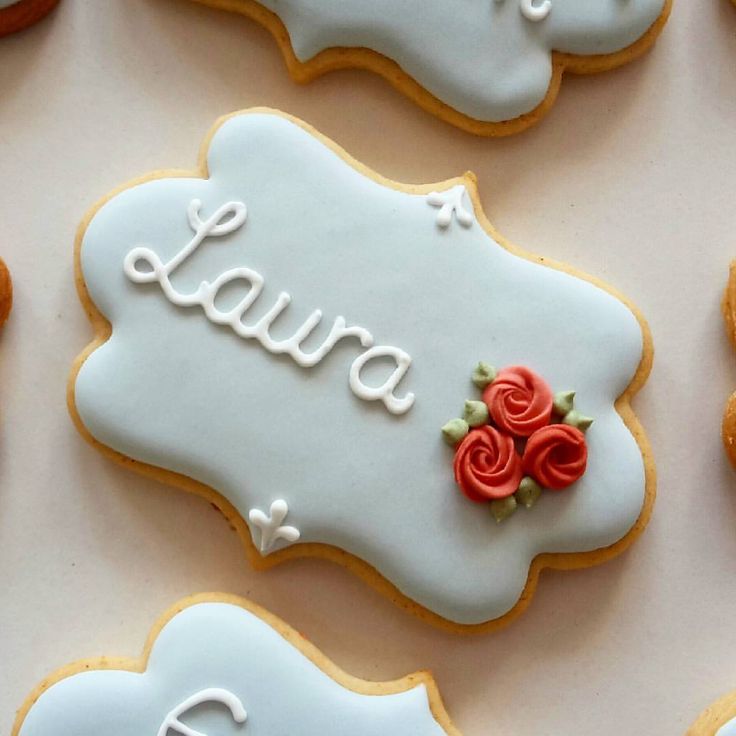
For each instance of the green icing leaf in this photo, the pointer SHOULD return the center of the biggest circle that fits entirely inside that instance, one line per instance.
(576, 419)
(529, 492)
(476, 413)
(503, 508)
(563, 404)
(454, 431)
(483, 375)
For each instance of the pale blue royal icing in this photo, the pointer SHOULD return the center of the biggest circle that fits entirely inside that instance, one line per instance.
(231, 658)
(728, 729)
(172, 389)
(485, 58)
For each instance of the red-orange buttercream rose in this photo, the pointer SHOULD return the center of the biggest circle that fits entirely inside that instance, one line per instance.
(556, 456)
(487, 466)
(519, 401)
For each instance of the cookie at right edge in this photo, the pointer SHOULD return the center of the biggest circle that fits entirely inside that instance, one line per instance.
(491, 67)
(728, 307)
(362, 370)
(6, 293)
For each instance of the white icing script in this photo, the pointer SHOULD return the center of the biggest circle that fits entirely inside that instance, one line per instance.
(451, 202)
(271, 526)
(226, 219)
(211, 695)
(534, 12)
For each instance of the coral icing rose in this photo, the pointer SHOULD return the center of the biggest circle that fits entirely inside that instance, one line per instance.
(487, 466)
(556, 456)
(519, 401)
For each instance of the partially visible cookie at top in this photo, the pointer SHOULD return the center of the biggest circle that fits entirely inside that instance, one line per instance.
(6, 293)
(728, 306)
(491, 67)
(718, 719)
(15, 15)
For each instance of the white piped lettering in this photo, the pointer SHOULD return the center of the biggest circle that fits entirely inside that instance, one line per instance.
(225, 220)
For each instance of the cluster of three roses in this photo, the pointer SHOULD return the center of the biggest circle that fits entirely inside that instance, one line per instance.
(519, 439)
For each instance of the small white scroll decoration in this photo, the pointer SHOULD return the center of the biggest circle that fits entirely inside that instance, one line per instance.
(211, 695)
(451, 202)
(271, 527)
(144, 266)
(534, 11)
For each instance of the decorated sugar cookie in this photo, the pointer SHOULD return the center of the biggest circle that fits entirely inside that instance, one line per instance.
(15, 15)
(223, 665)
(492, 67)
(718, 719)
(729, 313)
(362, 370)
(6, 293)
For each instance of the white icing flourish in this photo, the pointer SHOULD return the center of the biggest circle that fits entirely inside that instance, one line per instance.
(451, 201)
(225, 220)
(271, 526)
(211, 695)
(534, 12)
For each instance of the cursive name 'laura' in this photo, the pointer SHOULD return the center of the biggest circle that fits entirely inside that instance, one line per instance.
(143, 266)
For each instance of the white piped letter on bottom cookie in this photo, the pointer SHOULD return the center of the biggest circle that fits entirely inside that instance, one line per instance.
(210, 695)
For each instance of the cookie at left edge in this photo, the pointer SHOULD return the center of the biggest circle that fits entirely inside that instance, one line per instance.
(6, 293)
(15, 15)
(217, 664)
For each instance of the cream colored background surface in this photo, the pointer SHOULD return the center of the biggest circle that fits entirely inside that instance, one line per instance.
(631, 178)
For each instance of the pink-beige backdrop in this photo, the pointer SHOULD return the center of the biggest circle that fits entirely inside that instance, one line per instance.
(631, 178)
